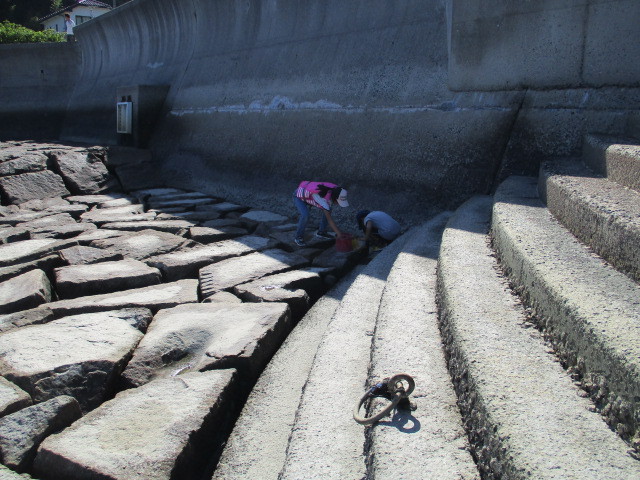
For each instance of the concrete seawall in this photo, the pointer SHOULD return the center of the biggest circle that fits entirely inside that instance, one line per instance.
(262, 93)
(36, 83)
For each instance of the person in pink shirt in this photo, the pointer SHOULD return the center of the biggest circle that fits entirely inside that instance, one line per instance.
(322, 195)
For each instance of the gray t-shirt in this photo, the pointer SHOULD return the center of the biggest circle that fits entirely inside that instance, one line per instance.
(387, 227)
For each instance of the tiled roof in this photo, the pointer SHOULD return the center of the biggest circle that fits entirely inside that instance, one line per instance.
(79, 3)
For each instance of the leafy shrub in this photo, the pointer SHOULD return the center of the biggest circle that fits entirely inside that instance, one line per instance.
(13, 33)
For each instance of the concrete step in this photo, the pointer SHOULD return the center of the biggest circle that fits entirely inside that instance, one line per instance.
(258, 444)
(325, 442)
(429, 442)
(524, 415)
(601, 213)
(617, 159)
(587, 309)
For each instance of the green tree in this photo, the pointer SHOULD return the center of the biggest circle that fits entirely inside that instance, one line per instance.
(13, 33)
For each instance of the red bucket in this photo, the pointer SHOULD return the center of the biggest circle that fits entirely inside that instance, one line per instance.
(344, 243)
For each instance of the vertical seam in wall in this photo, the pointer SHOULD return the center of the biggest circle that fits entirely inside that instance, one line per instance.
(585, 25)
(500, 164)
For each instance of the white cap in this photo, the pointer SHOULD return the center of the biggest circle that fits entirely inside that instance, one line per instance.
(342, 198)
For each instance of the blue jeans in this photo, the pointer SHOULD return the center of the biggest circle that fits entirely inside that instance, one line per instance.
(303, 208)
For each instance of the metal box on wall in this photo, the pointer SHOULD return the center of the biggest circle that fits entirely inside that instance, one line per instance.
(138, 108)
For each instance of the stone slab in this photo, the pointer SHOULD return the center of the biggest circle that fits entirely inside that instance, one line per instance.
(223, 222)
(102, 233)
(234, 271)
(27, 163)
(12, 397)
(27, 186)
(141, 245)
(13, 234)
(187, 263)
(83, 255)
(110, 276)
(27, 250)
(82, 171)
(155, 298)
(208, 336)
(183, 202)
(222, 207)
(97, 199)
(62, 231)
(170, 226)
(34, 316)
(49, 220)
(210, 235)
(117, 214)
(22, 432)
(46, 264)
(258, 217)
(79, 355)
(164, 429)
(297, 288)
(19, 216)
(193, 216)
(40, 204)
(24, 292)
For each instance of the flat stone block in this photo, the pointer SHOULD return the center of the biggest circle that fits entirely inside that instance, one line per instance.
(46, 264)
(210, 235)
(27, 250)
(169, 226)
(154, 298)
(27, 163)
(223, 207)
(12, 234)
(234, 271)
(22, 432)
(209, 336)
(141, 245)
(27, 186)
(62, 231)
(257, 217)
(12, 397)
(104, 215)
(97, 199)
(165, 429)
(79, 280)
(82, 255)
(82, 171)
(34, 316)
(296, 288)
(24, 291)
(78, 355)
(102, 233)
(187, 263)
(183, 202)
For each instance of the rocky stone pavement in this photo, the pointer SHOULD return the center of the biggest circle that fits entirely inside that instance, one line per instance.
(134, 323)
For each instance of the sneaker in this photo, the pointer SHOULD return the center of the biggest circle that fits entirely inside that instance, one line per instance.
(300, 242)
(328, 235)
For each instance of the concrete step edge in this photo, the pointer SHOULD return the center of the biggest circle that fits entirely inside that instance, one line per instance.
(601, 213)
(429, 442)
(326, 443)
(588, 310)
(617, 159)
(257, 445)
(524, 415)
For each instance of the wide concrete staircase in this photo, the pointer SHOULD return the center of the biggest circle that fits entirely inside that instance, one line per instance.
(518, 316)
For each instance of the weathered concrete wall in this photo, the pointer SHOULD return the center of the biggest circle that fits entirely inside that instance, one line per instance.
(576, 63)
(265, 93)
(404, 102)
(543, 44)
(36, 83)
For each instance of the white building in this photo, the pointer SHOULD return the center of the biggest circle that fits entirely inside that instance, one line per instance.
(81, 11)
